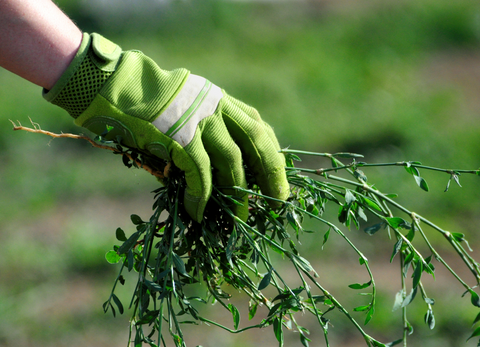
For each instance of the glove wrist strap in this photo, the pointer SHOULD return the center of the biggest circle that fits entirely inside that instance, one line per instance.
(93, 64)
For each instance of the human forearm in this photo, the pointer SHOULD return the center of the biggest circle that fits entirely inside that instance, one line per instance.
(37, 40)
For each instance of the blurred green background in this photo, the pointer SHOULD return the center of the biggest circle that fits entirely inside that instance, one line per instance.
(393, 80)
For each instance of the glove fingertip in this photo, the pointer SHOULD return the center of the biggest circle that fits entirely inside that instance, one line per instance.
(195, 206)
(277, 187)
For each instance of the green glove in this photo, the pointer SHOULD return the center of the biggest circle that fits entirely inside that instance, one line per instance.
(174, 115)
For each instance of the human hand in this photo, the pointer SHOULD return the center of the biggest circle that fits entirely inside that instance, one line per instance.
(174, 115)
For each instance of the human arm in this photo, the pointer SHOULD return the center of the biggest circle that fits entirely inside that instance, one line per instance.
(37, 40)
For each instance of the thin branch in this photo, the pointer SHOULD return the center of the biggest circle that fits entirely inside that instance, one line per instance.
(37, 130)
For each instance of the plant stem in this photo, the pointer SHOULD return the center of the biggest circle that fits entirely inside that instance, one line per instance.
(362, 164)
(404, 295)
(317, 314)
(327, 155)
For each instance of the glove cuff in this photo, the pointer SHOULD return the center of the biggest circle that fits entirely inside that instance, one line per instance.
(95, 61)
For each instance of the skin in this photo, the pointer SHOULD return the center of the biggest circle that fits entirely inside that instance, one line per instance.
(38, 41)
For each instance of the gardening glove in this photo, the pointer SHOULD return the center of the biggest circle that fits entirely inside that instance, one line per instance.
(174, 115)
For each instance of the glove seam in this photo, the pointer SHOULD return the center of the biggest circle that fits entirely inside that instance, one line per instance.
(80, 56)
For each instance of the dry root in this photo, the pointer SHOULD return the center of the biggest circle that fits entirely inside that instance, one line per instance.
(36, 129)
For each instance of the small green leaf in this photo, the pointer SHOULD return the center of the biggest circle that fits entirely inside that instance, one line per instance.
(260, 222)
(398, 300)
(277, 249)
(235, 315)
(130, 260)
(304, 340)
(459, 237)
(120, 235)
(421, 183)
(106, 305)
(370, 313)
(303, 263)
(371, 203)
(113, 309)
(265, 280)
(396, 248)
(362, 308)
(343, 213)
(448, 185)
(430, 319)
(112, 257)
(293, 156)
(409, 298)
(475, 333)
(393, 343)
(152, 286)
(417, 273)
(412, 170)
(362, 214)
(252, 311)
(148, 317)
(274, 309)
(303, 330)
(476, 320)
(319, 298)
(411, 234)
(360, 286)
(325, 237)
(456, 179)
(118, 303)
(407, 262)
(293, 220)
(429, 301)
(334, 162)
(138, 342)
(177, 339)
(277, 329)
(273, 215)
(136, 219)
(179, 265)
(362, 260)
(397, 222)
(373, 229)
(409, 328)
(232, 240)
(376, 343)
(360, 175)
(128, 245)
(349, 197)
(474, 298)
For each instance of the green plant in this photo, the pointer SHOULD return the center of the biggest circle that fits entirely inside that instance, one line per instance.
(173, 253)
(170, 253)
